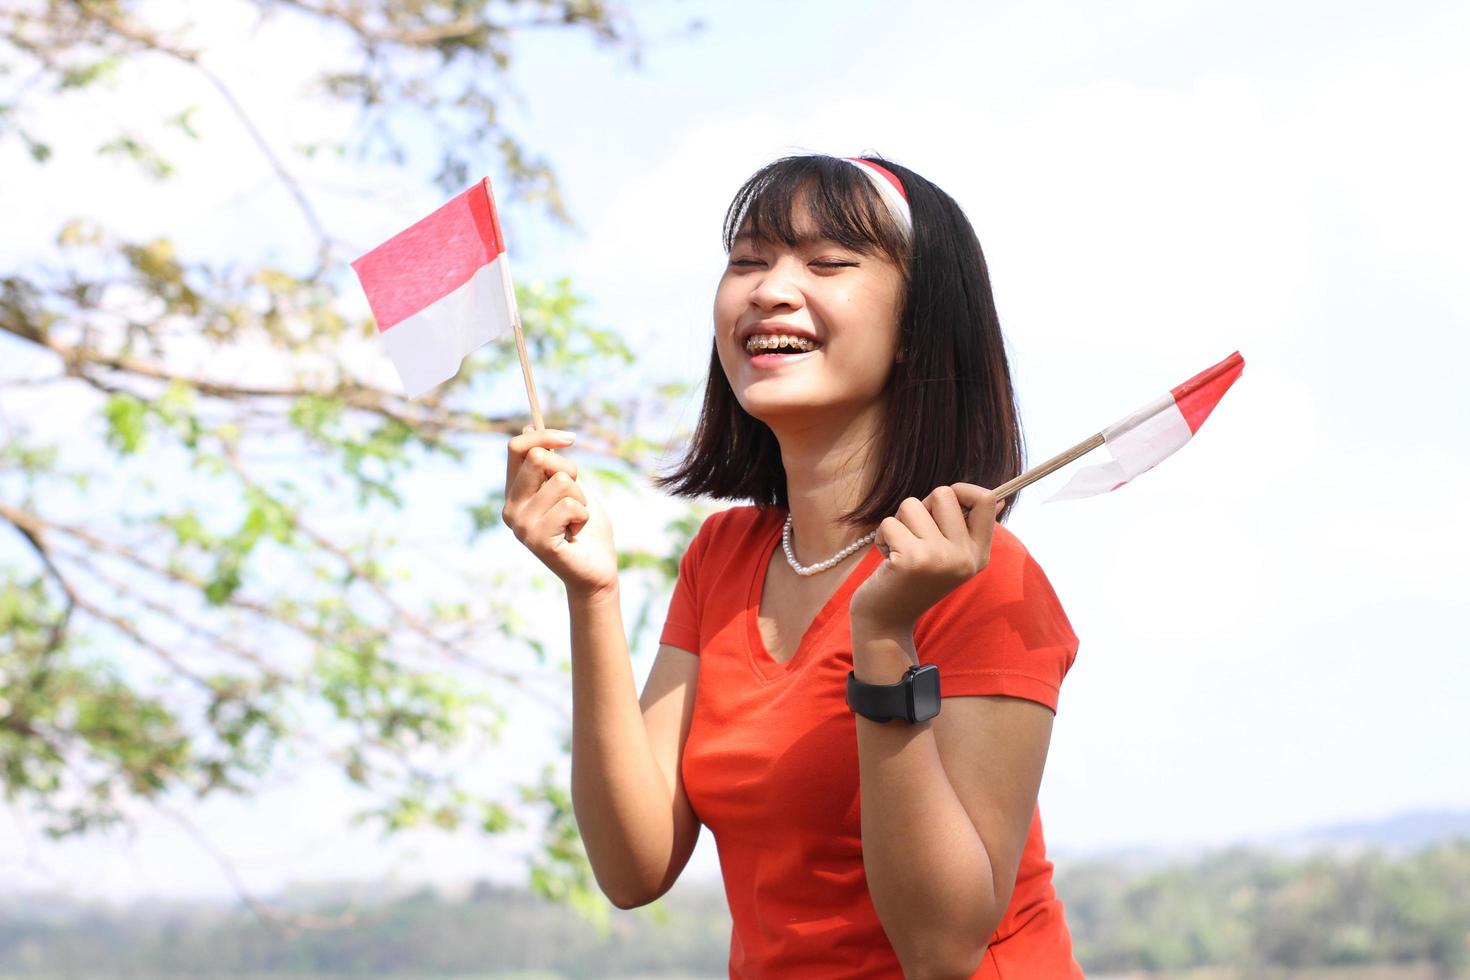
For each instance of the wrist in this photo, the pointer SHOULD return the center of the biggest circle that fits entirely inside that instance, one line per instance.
(874, 626)
(593, 598)
(881, 653)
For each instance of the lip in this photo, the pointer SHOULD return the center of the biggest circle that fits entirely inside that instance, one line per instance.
(768, 361)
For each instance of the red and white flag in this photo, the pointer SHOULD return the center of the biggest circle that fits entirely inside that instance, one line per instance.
(1146, 438)
(440, 289)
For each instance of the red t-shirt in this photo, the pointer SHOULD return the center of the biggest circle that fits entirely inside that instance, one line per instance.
(771, 761)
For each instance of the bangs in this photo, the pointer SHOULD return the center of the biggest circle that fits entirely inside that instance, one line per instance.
(844, 205)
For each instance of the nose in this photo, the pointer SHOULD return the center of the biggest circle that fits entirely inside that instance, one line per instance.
(777, 288)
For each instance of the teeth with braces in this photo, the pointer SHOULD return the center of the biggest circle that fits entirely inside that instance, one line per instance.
(761, 342)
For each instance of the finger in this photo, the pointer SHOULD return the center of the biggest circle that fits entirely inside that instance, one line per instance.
(563, 483)
(548, 462)
(545, 500)
(572, 486)
(894, 535)
(565, 517)
(517, 445)
(520, 446)
(529, 478)
(944, 504)
(915, 515)
(981, 502)
(1000, 506)
(540, 466)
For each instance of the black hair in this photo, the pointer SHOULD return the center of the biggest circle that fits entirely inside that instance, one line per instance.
(951, 410)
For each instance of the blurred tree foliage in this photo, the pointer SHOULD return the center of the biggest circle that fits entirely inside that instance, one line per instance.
(1238, 914)
(198, 632)
(1259, 912)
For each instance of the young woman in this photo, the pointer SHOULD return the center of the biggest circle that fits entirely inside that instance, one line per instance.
(859, 399)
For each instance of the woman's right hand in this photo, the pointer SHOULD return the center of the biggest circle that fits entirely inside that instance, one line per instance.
(551, 515)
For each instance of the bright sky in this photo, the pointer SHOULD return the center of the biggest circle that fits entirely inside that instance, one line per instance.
(1269, 622)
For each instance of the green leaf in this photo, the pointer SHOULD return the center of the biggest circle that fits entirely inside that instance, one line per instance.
(226, 581)
(153, 164)
(188, 529)
(126, 423)
(485, 515)
(80, 76)
(182, 121)
(496, 818)
(313, 414)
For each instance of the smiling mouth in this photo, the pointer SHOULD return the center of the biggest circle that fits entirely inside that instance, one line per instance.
(780, 345)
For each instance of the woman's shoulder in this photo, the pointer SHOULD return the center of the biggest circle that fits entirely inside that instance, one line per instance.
(732, 526)
(1004, 621)
(1007, 548)
(734, 521)
(1011, 575)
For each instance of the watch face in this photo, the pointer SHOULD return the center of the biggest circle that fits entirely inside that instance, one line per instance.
(924, 693)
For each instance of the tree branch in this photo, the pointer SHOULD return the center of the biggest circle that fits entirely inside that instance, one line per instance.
(399, 611)
(426, 36)
(139, 36)
(32, 531)
(194, 582)
(172, 613)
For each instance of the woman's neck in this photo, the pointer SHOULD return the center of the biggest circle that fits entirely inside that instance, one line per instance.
(827, 474)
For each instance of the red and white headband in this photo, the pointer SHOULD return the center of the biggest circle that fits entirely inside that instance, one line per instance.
(890, 189)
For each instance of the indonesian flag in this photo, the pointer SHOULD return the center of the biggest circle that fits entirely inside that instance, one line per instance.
(1144, 439)
(440, 289)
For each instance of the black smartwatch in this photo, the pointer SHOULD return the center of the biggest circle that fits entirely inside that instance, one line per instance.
(915, 698)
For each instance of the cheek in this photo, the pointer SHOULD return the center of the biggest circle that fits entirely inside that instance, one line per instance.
(888, 295)
(887, 306)
(726, 310)
(723, 315)
(872, 334)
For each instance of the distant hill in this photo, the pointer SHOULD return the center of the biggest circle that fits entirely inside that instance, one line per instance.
(1403, 832)
(1251, 907)
(1398, 834)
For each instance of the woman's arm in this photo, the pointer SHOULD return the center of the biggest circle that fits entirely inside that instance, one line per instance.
(638, 827)
(630, 807)
(946, 807)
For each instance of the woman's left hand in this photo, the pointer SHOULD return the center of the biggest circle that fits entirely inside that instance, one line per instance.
(933, 549)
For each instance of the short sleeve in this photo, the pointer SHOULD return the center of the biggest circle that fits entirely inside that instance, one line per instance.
(681, 625)
(1002, 632)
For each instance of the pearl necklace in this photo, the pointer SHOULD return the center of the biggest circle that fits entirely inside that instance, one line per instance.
(821, 565)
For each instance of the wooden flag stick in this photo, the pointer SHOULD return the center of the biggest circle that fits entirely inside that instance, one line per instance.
(515, 312)
(1055, 463)
(521, 350)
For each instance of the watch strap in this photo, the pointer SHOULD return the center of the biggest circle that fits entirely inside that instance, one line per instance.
(889, 702)
(877, 702)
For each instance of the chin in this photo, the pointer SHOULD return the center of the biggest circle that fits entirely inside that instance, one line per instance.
(770, 410)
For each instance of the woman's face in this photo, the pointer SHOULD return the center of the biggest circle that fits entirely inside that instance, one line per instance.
(845, 302)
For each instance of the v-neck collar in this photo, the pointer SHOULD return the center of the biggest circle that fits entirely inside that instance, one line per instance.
(766, 667)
